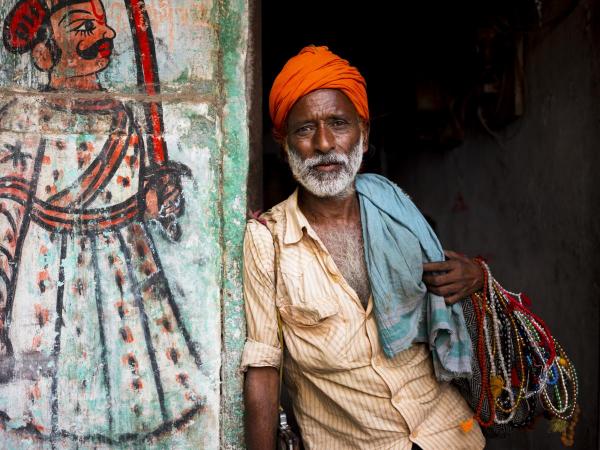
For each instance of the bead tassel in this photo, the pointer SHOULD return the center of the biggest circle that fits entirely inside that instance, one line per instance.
(520, 361)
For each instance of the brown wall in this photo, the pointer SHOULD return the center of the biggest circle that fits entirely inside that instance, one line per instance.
(531, 201)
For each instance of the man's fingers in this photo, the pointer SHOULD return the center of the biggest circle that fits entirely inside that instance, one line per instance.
(441, 266)
(171, 206)
(453, 255)
(446, 290)
(171, 193)
(170, 210)
(438, 280)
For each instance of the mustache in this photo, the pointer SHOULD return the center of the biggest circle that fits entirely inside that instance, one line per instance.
(92, 51)
(327, 158)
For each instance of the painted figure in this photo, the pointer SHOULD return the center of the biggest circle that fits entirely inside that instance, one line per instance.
(92, 343)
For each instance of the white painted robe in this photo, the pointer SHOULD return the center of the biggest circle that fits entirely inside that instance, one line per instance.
(100, 351)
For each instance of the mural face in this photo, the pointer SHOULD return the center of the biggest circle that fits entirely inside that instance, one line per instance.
(93, 342)
(83, 39)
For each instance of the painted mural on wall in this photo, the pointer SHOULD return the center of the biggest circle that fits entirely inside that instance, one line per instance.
(103, 334)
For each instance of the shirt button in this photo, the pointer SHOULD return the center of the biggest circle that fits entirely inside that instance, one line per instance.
(414, 434)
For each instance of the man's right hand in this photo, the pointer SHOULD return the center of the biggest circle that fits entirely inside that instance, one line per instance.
(261, 399)
(460, 277)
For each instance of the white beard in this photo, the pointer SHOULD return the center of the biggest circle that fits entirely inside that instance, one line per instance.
(337, 183)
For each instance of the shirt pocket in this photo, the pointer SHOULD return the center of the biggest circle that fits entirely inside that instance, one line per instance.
(305, 299)
(315, 337)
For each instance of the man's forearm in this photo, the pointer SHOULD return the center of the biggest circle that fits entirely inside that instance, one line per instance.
(261, 399)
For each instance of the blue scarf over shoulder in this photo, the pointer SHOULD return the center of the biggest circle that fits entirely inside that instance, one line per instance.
(398, 240)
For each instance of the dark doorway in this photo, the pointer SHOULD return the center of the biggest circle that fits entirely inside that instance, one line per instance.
(481, 111)
(430, 68)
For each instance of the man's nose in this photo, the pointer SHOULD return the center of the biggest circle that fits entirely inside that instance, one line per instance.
(324, 139)
(109, 32)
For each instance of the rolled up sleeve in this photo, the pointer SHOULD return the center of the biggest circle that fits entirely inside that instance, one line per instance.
(262, 347)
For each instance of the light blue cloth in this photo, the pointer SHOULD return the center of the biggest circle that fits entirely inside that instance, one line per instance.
(397, 240)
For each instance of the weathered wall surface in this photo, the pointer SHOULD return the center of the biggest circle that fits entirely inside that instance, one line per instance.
(531, 203)
(123, 159)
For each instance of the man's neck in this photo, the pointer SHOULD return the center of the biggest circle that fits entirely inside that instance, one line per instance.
(329, 211)
(83, 83)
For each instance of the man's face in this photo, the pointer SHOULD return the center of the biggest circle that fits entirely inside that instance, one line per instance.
(325, 142)
(84, 39)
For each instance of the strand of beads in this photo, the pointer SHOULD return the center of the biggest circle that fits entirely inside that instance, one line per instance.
(502, 361)
(480, 306)
(566, 384)
(519, 359)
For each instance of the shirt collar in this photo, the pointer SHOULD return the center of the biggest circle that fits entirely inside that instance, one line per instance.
(295, 222)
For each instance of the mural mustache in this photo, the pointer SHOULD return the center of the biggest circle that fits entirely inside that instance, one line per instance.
(102, 47)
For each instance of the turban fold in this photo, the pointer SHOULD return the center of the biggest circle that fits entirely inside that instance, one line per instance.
(23, 23)
(312, 69)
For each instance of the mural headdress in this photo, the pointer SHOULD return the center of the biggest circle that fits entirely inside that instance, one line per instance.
(24, 23)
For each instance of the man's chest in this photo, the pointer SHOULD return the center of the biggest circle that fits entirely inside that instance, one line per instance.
(345, 245)
(325, 324)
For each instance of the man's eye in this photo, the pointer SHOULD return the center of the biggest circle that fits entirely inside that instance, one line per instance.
(337, 124)
(304, 131)
(85, 27)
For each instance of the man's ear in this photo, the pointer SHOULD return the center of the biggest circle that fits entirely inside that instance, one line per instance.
(365, 128)
(283, 149)
(42, 57)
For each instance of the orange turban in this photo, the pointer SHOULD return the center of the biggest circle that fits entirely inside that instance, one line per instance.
(312, 69)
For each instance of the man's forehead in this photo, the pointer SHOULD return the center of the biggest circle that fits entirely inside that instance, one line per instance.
(56, 6)
(66, 9)
(322, 103)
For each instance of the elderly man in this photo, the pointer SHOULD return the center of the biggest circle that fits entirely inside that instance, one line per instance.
(368, 350)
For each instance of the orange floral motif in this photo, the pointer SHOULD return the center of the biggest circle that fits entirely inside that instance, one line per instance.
(123, 181)
(132, 161)
(35, 391)
(41, 314)
(147, 268)
(165, 323)
(122, 310)
(43, 275)
(36, 341)
(130, 360)
(9, 237)
(83, 159)
(182, 378)
(173, 355)
(78, 287)
(137, 384)
(126, 334)
(119, 278)
(190, 396)
(37, 426)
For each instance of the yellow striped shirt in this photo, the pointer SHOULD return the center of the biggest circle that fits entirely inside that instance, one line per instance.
(347, 394)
